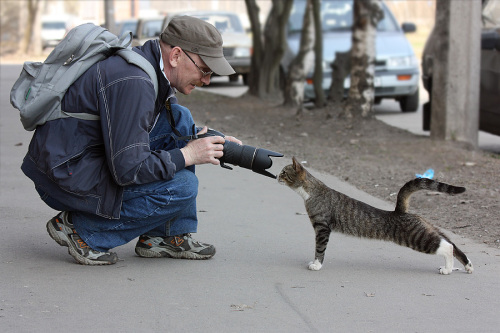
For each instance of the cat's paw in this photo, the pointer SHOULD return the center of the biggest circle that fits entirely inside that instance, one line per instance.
(315, 265)
(468, 268)
(445, 271)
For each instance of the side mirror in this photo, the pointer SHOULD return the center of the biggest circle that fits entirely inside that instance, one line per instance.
(408, 27)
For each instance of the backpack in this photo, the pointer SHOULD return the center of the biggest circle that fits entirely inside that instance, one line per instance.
(40, 88)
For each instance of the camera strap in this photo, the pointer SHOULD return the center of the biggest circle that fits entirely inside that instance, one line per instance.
(171, 121)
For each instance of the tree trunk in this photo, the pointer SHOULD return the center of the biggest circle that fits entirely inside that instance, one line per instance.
(301, 64)
(367, 14)
(318, 59)
(253, 76)
(341, 67)
(32, 41)
(267, 85)
(109, 14)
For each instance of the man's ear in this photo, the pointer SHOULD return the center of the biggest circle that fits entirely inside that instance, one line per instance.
(174, 56)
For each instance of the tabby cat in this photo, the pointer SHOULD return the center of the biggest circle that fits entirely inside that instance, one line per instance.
(330, 210)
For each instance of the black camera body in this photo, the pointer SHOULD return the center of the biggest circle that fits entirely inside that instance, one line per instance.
(248, 157)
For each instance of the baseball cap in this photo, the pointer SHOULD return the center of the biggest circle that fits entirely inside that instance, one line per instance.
(197, 36)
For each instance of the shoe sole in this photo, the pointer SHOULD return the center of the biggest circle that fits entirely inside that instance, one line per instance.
(63, 240)
(164, 253)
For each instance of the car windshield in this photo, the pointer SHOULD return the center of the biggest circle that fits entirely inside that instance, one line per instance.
(222, 22)
(336, 15)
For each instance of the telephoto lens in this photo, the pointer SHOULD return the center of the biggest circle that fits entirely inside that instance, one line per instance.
(248, 157)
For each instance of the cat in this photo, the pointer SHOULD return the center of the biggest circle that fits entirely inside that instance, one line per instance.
(330, 210)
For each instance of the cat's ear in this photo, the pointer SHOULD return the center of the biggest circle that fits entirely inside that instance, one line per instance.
(296, 165)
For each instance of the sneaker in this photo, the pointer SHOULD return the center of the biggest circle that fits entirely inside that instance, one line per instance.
(61, 230)
(179, 247)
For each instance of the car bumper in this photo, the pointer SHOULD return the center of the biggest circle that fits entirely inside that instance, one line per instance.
(240, 65)
(388, 84)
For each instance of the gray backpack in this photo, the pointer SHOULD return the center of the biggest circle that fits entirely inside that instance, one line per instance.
(40, 88)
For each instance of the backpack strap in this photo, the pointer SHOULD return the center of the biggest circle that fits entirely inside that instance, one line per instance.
(134, 58)
(81, 115)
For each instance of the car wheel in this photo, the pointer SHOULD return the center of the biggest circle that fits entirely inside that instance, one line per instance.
(409, 103)
(233, 78)
(245, 79)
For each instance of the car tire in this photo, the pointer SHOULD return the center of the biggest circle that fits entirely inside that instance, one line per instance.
(409, 103)
(233, 78)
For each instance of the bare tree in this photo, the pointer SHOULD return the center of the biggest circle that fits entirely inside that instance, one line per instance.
(318, 59)
(302, 64)
(109, 14)
(267, 82)
(341, 67)
(253, 77)
(32, 43)
(367, 14)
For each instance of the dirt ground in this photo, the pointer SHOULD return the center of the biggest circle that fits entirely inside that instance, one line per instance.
(370, 155)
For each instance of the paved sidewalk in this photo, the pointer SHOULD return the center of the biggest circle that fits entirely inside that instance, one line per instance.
(258, 280)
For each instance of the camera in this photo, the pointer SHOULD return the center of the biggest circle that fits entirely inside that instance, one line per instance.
(248, 157)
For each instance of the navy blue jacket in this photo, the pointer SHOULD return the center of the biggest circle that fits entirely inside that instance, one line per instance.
(85, 164)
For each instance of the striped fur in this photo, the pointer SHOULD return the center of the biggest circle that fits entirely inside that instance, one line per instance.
(330, 210)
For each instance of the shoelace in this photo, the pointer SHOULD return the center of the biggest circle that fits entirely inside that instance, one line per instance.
(80, 241)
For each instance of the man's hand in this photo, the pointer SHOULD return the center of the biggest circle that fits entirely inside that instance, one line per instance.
(233, 139)
(205, 150)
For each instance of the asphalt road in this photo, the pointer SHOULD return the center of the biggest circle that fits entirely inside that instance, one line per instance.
(258, 280)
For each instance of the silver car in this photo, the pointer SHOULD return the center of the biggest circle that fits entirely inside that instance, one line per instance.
(396, 67)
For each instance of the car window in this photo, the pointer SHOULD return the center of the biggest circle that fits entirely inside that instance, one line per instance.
(336, 16)
(129, 26)
(152, 28)
(53, 25)
(223, 23)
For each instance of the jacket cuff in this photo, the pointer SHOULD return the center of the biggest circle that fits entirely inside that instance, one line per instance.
(177, 158)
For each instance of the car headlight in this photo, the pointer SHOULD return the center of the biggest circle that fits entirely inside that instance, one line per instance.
(242, 52)
(400, 62)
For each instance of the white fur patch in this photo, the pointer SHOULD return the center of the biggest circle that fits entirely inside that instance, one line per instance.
(315, 265)
(302, 193)
(445, 249)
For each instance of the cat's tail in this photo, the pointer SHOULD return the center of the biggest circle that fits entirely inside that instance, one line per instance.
(417, 184)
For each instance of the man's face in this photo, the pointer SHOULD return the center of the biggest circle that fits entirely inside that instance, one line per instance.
(192, 72)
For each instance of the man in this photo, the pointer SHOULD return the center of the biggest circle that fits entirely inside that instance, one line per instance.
(126, 175)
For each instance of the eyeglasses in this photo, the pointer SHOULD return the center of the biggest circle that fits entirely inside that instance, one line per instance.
(201, 70)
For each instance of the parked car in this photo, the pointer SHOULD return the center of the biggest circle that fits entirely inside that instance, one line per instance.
(489, 88)
(148, 28)
(53, 31)
(126, 25)
(397, 72)
(237, 45)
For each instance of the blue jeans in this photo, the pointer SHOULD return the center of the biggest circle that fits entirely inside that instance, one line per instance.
(162, 208)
